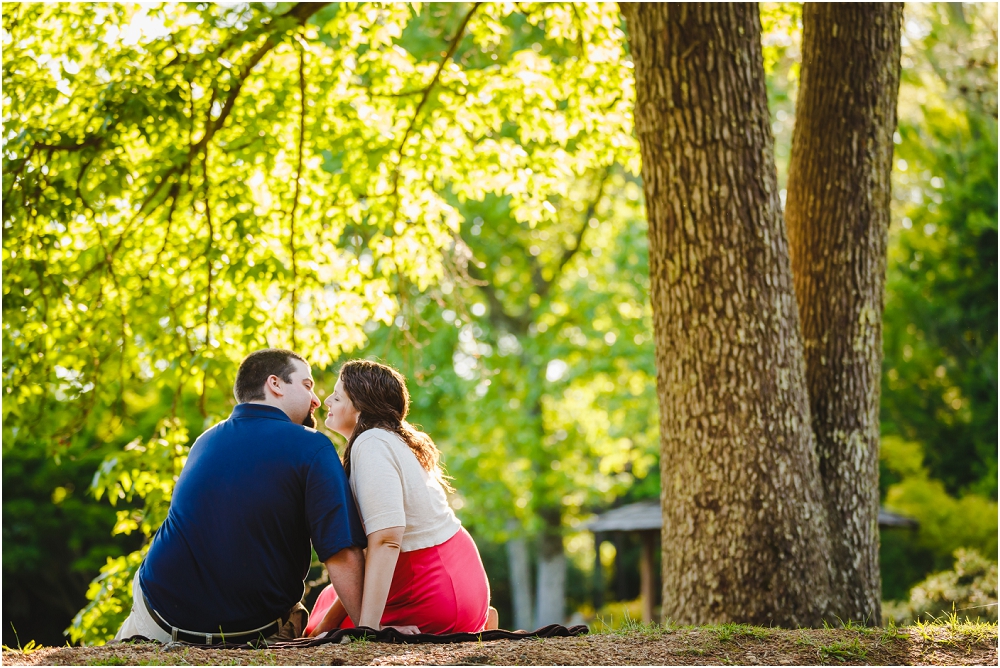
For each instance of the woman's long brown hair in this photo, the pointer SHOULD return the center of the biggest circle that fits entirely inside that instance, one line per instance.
(378, 392)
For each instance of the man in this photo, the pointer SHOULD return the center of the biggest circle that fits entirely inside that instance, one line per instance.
(228, 563)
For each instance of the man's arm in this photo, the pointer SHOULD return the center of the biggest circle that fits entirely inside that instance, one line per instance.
(333, 619)
(347, 575)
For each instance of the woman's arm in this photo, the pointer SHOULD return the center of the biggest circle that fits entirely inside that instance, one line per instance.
(383, 551)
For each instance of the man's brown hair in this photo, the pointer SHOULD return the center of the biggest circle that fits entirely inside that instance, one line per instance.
(258, 367)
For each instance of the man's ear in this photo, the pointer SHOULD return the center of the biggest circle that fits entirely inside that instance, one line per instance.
(273, 386)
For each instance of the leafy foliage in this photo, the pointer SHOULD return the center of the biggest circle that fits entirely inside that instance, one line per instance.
(939, 385)
(539, 385)
(145, 471)
(185, 183)
(968, 591)
(946, 523)
(110, 596)
(941, 354)
(209, 182)
(55, 538)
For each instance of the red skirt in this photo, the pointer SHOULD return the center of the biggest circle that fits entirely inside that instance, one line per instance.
(439, 589)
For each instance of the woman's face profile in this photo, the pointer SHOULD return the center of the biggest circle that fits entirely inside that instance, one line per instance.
(341, 415)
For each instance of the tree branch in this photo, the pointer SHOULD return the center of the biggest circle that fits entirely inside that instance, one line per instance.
(208, 267)
(543, 286)
(498, 314)
(174, 193)
(587, 215)
(301, 13)
(92, 141)
(142, 207)
(519, 323)
(109, 265)
(452, 47)
(298, 183)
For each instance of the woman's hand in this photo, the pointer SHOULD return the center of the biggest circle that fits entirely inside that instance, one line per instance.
(380, 564)
(408, 630)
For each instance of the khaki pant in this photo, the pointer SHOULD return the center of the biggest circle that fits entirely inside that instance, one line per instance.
(140, 623)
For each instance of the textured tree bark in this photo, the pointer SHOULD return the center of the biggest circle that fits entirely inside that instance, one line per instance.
(744, 533)
(838, 219)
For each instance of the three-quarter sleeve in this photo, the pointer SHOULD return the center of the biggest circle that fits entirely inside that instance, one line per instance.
(377, 480)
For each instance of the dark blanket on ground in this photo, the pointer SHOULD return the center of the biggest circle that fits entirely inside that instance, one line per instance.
(393, 636)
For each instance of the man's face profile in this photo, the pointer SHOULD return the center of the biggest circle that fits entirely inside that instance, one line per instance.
(299, 398)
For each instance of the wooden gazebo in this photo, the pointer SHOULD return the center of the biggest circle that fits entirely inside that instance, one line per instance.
(645, 518)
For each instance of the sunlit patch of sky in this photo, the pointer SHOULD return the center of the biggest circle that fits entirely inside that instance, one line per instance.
(148, 23)
(142, 28)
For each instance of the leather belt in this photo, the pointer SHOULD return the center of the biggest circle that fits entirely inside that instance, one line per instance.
(200, 638)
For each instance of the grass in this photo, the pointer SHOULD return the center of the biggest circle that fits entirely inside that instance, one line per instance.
(976, 631)
(891, 633)
(844, 650)
(632, 626)
(27, 649)
(803, 640)
(945, 630)
(646, 629)
(727, 632)
(860, 627)
(629, 626)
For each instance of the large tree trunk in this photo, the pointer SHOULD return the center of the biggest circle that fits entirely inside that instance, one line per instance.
(838, 220)
(744, 536)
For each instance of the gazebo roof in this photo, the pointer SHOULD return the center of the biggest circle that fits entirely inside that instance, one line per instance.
(889, 519)
(646, 516)
(641, 516)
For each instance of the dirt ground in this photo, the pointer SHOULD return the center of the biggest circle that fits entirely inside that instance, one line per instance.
(729, 644)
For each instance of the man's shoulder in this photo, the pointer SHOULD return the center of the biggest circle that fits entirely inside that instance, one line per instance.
(305, 435)
(299, 435)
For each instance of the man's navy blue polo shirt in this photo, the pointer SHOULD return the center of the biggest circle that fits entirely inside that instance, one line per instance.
(234, 549)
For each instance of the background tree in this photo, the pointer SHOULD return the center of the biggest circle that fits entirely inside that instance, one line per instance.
(536, 379)
(839, 194)
(939, 386)
(744, 533)
(215, 179)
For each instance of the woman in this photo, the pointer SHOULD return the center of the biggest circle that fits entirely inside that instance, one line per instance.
(422, 569)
